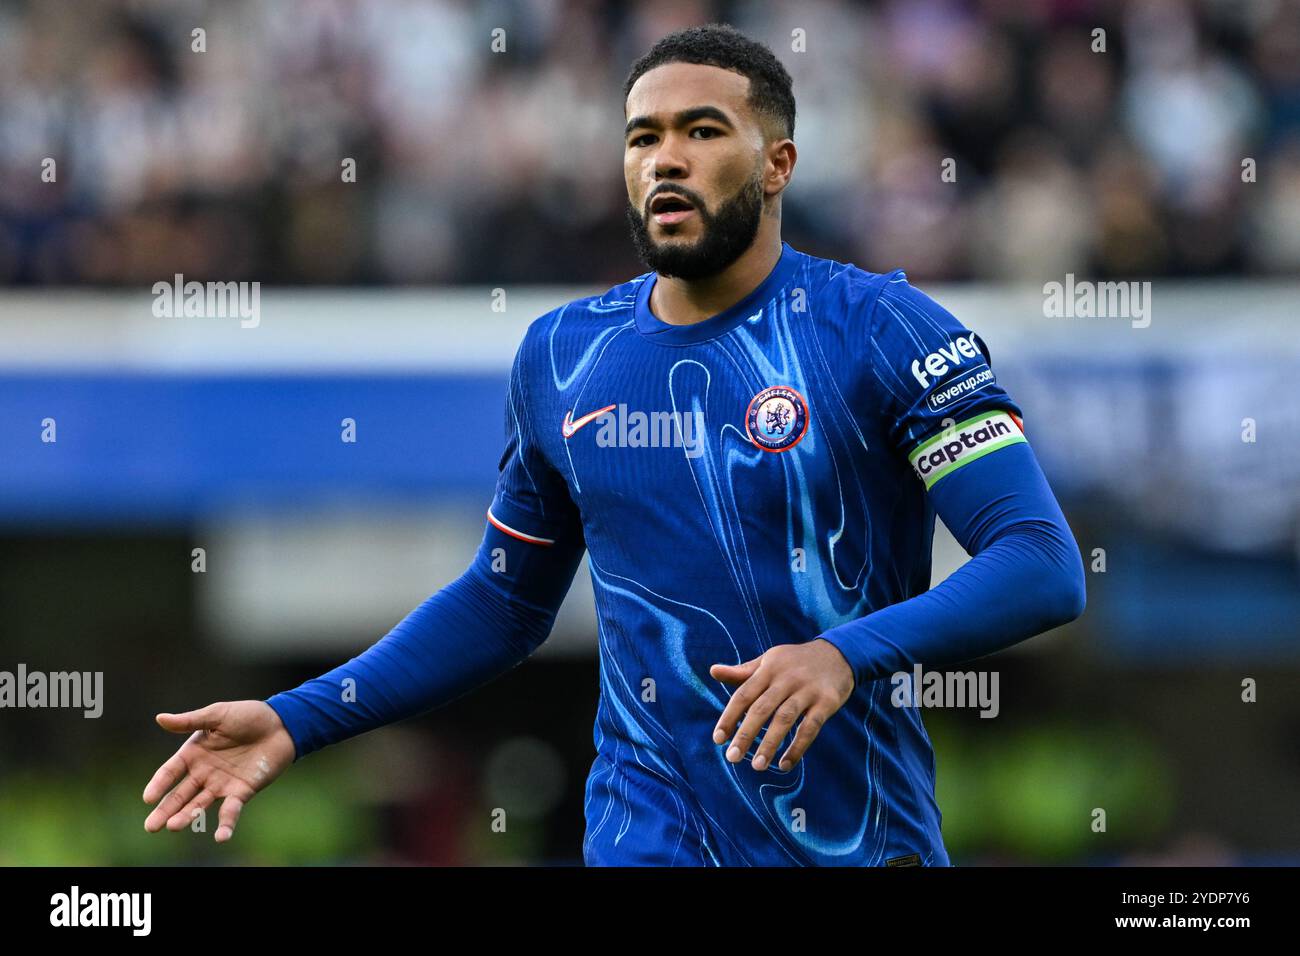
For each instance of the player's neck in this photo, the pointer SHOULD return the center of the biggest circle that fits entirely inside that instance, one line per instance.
(688, 301)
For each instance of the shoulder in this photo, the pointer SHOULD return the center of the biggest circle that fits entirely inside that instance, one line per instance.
(581, 320)
(886, 301)
(908, 322)
(888, 304)
(848, 290)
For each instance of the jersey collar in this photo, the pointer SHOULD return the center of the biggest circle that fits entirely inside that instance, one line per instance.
(650, 325)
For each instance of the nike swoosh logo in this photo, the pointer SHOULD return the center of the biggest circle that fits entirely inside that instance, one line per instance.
(570, 426)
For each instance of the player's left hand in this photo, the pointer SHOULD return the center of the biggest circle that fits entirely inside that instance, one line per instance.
(788, 681)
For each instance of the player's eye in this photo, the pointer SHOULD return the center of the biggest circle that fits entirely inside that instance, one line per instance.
(712, 133)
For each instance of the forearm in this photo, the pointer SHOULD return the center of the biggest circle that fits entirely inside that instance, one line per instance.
(1020, 586)
(1026, 576)
(471, 631)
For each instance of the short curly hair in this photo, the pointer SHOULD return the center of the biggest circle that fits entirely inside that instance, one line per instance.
(722, 45)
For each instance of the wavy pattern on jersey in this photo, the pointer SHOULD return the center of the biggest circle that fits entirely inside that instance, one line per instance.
(688, 388)
(594, 349)
(675, 621)
(621, 703)
(853, 845)
(833, 431)
(828, 596)
(665, 837)
(774, 347)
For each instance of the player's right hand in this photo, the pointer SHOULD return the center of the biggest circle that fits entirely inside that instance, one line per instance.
(235, 749)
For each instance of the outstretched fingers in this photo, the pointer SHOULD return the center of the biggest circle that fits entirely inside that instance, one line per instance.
(809, 728)
(782, 720)
(200, 802)
(172, 804)
(165, 777)
(230, 810)
(756, 716)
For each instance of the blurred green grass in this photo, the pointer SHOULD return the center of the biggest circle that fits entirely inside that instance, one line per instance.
(1025, 794)
(96, 818)
(1030, 793)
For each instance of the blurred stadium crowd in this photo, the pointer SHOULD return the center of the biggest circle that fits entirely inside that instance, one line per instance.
(479, 166)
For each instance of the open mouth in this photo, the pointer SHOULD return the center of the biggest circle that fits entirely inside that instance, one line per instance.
(670, 208)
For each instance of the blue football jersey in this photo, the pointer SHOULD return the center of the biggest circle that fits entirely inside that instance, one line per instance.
(750, 480)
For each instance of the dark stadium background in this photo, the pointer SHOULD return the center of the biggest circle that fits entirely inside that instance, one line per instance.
(480, 173)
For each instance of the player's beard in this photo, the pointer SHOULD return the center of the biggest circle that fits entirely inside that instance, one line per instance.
(725, 235)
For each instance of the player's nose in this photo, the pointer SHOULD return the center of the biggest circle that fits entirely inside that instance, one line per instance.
(670, 159)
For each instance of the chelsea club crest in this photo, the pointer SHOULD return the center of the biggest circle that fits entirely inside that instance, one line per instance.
(777, 418)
